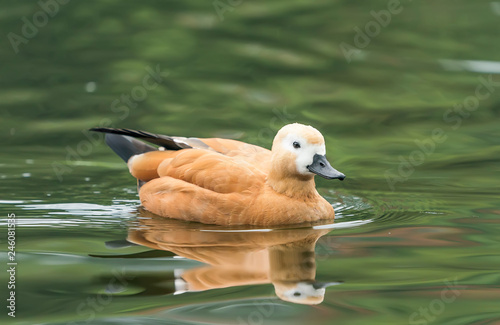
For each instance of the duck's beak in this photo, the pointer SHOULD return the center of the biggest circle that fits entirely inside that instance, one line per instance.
(320, 166)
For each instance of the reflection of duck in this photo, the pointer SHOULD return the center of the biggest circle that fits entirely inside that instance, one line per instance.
(283, 257)
(227, 182)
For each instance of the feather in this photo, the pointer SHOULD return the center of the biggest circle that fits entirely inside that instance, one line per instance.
(167, 142)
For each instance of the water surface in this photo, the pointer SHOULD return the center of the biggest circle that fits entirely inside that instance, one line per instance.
(416, 238)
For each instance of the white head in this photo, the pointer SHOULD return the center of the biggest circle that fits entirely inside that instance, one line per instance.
(307, 293)
(300, 150)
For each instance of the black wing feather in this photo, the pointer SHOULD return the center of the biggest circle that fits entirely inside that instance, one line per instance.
(158, 139)
(126, 147)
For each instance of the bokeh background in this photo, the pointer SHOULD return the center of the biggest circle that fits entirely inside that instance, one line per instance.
(406, 93)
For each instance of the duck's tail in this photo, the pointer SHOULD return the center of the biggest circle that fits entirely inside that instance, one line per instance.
(124, 144)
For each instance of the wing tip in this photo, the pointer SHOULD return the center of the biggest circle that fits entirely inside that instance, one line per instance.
(126, 147)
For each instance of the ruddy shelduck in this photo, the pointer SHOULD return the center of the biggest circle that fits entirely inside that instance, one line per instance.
(228, 182)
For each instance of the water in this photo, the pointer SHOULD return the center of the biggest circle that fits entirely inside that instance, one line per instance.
(412, 120)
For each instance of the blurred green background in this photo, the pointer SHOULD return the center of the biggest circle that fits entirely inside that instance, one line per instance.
(410, 115)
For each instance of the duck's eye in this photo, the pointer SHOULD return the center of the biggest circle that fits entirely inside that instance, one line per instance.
(296, 145)
(297, 294)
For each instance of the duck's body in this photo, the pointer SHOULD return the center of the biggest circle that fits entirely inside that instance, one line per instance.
(228, 182)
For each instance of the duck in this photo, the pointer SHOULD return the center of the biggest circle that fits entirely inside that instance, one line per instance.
(228, 182)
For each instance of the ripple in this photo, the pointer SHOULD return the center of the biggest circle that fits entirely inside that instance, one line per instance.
(57, 215)
(11, 201)
(351, 211)
(253, 310)
(344, 225)
(81, 208)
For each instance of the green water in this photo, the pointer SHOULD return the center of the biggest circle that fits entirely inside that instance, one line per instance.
(412, 120)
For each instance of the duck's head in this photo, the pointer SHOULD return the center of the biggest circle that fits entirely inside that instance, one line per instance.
(299, 150)
(306, 293)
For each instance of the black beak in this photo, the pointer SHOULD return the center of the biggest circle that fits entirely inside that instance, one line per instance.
(321, 285)
(320, 166)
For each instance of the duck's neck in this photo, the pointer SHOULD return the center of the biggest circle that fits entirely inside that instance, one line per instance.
(294, 261)
(291, 185)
